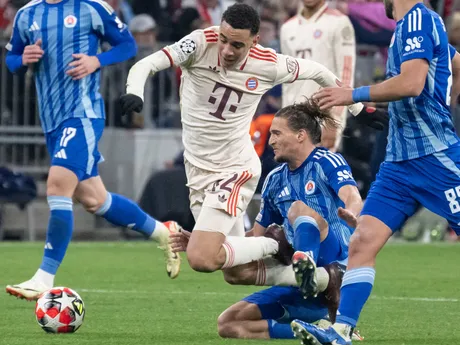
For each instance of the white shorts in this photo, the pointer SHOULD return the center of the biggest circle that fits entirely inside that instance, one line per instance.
(219, 200)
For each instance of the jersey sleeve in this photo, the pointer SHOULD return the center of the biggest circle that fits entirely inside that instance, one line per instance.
(287, 69)
(418, 36)
(186, 51)
(336, 169)
(108, 26)
(18, 39)
(268, 213)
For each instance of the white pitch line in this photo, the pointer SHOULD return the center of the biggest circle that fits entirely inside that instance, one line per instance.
(236, 294)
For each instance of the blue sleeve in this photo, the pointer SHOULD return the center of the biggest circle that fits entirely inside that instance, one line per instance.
(268, 213)
(16, 45)
(112, 30)
(337, 171)
(417, 36)
(452, 51)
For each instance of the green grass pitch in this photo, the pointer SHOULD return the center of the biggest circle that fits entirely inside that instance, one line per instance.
(130, 300)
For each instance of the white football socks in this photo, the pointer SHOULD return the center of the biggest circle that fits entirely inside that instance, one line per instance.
(44, 277)
(242, 250)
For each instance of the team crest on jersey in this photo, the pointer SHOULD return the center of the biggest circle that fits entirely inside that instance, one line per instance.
(188, 46)
(317, 34)
(70, 21)
(252, 83)
(310, 187)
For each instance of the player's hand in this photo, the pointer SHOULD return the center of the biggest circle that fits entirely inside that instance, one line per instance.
(348, 217)
(179, 240)
(373, 117)
(334, 96)
(130, 103)
(32, 53)
(82, 66)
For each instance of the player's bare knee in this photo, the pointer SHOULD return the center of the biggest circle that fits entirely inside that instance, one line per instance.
(56, 186)
(201, 262)
(228, 329)
(91, 203)
(360, 243)
(300, 209)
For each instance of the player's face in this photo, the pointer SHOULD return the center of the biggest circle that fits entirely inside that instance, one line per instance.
(283, 140)
(389, 8)
(234, 44)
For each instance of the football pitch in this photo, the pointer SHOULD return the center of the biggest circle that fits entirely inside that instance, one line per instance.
(130, 300)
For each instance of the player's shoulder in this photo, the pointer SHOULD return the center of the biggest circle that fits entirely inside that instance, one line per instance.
(273, 178)
(264, 56)
(99, 6)
(27, 7)
(419, 18)
(327, 159)
(292, 23)
(334, 13)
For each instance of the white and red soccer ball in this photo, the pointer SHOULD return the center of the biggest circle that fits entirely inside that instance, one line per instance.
(60, 310)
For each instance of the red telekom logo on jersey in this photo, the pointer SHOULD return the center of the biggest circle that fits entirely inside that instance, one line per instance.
(252, 83)
(70, 21)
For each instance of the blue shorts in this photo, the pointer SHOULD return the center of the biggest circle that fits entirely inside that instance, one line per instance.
(74, 145)
(284, 304)
(432, 181)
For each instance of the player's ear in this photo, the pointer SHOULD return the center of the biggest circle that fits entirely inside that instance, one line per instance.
(255, 40)
(302, 136)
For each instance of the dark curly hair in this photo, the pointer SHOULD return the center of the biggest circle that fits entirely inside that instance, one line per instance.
(242, 16)
(308, 116)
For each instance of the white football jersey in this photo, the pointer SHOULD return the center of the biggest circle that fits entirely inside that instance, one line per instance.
(327, 37)
(218, 104)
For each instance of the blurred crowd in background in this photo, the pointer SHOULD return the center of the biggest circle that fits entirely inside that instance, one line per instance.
(155, 23)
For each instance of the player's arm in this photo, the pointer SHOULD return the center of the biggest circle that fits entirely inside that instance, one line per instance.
(181, 53)
(350, 196)
(419, 46)
(115, 32)
(340, 178)
(20, 51)
(111, 29)
(291, 69)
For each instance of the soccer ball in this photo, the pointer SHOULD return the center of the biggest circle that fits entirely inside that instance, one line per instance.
(60, 310)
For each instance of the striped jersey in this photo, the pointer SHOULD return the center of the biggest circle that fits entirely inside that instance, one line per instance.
(66, 28)
(316, 183)
(421, 125)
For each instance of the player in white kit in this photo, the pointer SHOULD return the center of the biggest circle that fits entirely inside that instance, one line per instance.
(225, 74)
(324, 35)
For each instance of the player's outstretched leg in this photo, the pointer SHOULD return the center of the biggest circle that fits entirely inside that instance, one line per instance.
(60, 187)
(309, 229)
(122, 211)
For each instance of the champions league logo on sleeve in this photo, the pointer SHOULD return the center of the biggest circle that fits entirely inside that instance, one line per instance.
(188, 46)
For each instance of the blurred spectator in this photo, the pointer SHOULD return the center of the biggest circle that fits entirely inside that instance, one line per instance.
(326, 36)
(454, 30)
(143, 27)
(269, 34)
(211, 10)
(188, 20)
(161, 11)
(370, 22)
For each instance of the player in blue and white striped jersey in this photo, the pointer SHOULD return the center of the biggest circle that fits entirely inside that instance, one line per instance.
(422, 165)
(62, 39)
